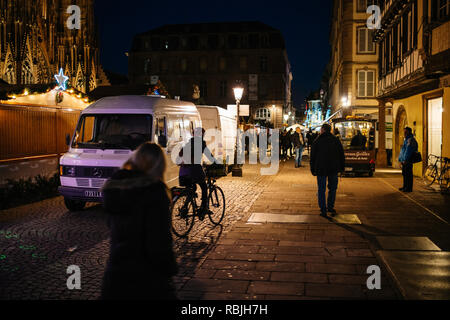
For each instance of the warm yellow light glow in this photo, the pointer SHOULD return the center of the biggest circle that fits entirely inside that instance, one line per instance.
(25, 93)
(238, 93)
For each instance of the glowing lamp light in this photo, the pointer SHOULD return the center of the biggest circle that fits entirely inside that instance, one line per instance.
(61, 79)
(345, 102)
(238, 93)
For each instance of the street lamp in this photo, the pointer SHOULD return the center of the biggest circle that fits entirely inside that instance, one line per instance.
(238, 93)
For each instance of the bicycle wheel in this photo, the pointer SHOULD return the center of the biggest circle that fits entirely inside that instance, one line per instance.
(182, 216)
(429, 175)
(216, 201)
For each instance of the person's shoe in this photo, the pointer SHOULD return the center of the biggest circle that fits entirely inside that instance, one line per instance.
(323, 214)
(401, 189)
(407, 190)
(333, 212)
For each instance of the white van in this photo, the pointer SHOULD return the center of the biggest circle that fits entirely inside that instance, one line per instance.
(107, 133)
(225, 122)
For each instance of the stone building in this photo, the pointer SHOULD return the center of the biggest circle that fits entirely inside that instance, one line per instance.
(414, 73)
(35, 42)
(354, 60)
(214, 57)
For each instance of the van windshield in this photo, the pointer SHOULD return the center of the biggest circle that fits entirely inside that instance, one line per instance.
(113, 131)
(356, 135)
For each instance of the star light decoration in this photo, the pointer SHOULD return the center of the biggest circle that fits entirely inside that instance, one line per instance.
(61, 79)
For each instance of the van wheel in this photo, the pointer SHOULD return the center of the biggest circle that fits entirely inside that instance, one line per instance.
(74, 205)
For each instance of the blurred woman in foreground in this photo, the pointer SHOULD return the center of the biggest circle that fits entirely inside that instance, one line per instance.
(141, 261)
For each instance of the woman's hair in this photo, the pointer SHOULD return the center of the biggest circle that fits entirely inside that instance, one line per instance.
(148, 158)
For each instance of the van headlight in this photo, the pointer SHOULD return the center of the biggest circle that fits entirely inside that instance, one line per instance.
(68, 171)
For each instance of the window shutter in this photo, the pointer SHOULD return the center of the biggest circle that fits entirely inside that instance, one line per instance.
(362, 40)
(361, 83)
(370, 92)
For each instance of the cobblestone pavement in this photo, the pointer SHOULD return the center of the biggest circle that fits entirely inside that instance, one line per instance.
(319, 259)
(39, 241)
(238, 260)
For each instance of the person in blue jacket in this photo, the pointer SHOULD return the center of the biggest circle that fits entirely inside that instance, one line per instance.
(409, 147)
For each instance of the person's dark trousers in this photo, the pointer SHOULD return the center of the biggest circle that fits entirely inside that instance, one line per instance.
(321, 194)
(407, 172)
(204, 188)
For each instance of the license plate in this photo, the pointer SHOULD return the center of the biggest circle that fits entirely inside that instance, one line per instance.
(348, 169)
(93, 194)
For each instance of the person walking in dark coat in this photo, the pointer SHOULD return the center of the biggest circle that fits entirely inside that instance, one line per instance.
(409, 147)
(137, 202)
(327, 160)
(299, 144)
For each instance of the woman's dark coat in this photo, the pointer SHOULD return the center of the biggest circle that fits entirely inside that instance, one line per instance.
(141, 261)
(327, 156)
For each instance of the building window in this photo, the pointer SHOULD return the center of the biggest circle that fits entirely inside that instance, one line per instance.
(183, 64)
(253, 41)
(233, 41)
(264, 41)
(365, 41)
(243, 63)
(263, 64)
(364, 4)
(263, 114)
(203, 88)
(223, 90)
(444, 8)
(222, 64)
(213, 41)
(164, 66)
(203, 64)
(147, 66)
(366, 83)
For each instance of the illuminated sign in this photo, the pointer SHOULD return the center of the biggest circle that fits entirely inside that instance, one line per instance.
(61, 79)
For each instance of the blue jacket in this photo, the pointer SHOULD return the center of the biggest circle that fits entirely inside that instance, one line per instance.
(409, 147)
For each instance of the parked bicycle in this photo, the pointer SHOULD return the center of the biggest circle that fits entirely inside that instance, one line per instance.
(437, 171)
(185, 207)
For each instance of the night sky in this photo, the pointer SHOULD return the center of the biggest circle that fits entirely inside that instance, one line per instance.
(304, 23)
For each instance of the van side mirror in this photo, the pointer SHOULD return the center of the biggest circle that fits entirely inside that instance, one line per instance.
(162, 141)
(67, 139)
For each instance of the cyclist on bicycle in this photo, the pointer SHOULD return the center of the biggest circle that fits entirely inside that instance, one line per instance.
(191, 170)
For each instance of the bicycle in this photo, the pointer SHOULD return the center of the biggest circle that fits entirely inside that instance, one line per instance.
(433, 172)
(185, 207)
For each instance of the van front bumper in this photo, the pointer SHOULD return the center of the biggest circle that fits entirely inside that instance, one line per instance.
(81, 194)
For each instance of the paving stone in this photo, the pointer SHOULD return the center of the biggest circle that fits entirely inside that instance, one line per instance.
(330, 268)
(334, 290)
(280, 266)
(407, 243)
(299, 277)
(250, 257)
(241, 275)
(276, 288)
(215, 285)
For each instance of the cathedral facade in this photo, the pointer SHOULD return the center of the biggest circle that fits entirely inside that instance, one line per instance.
(39, 37)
